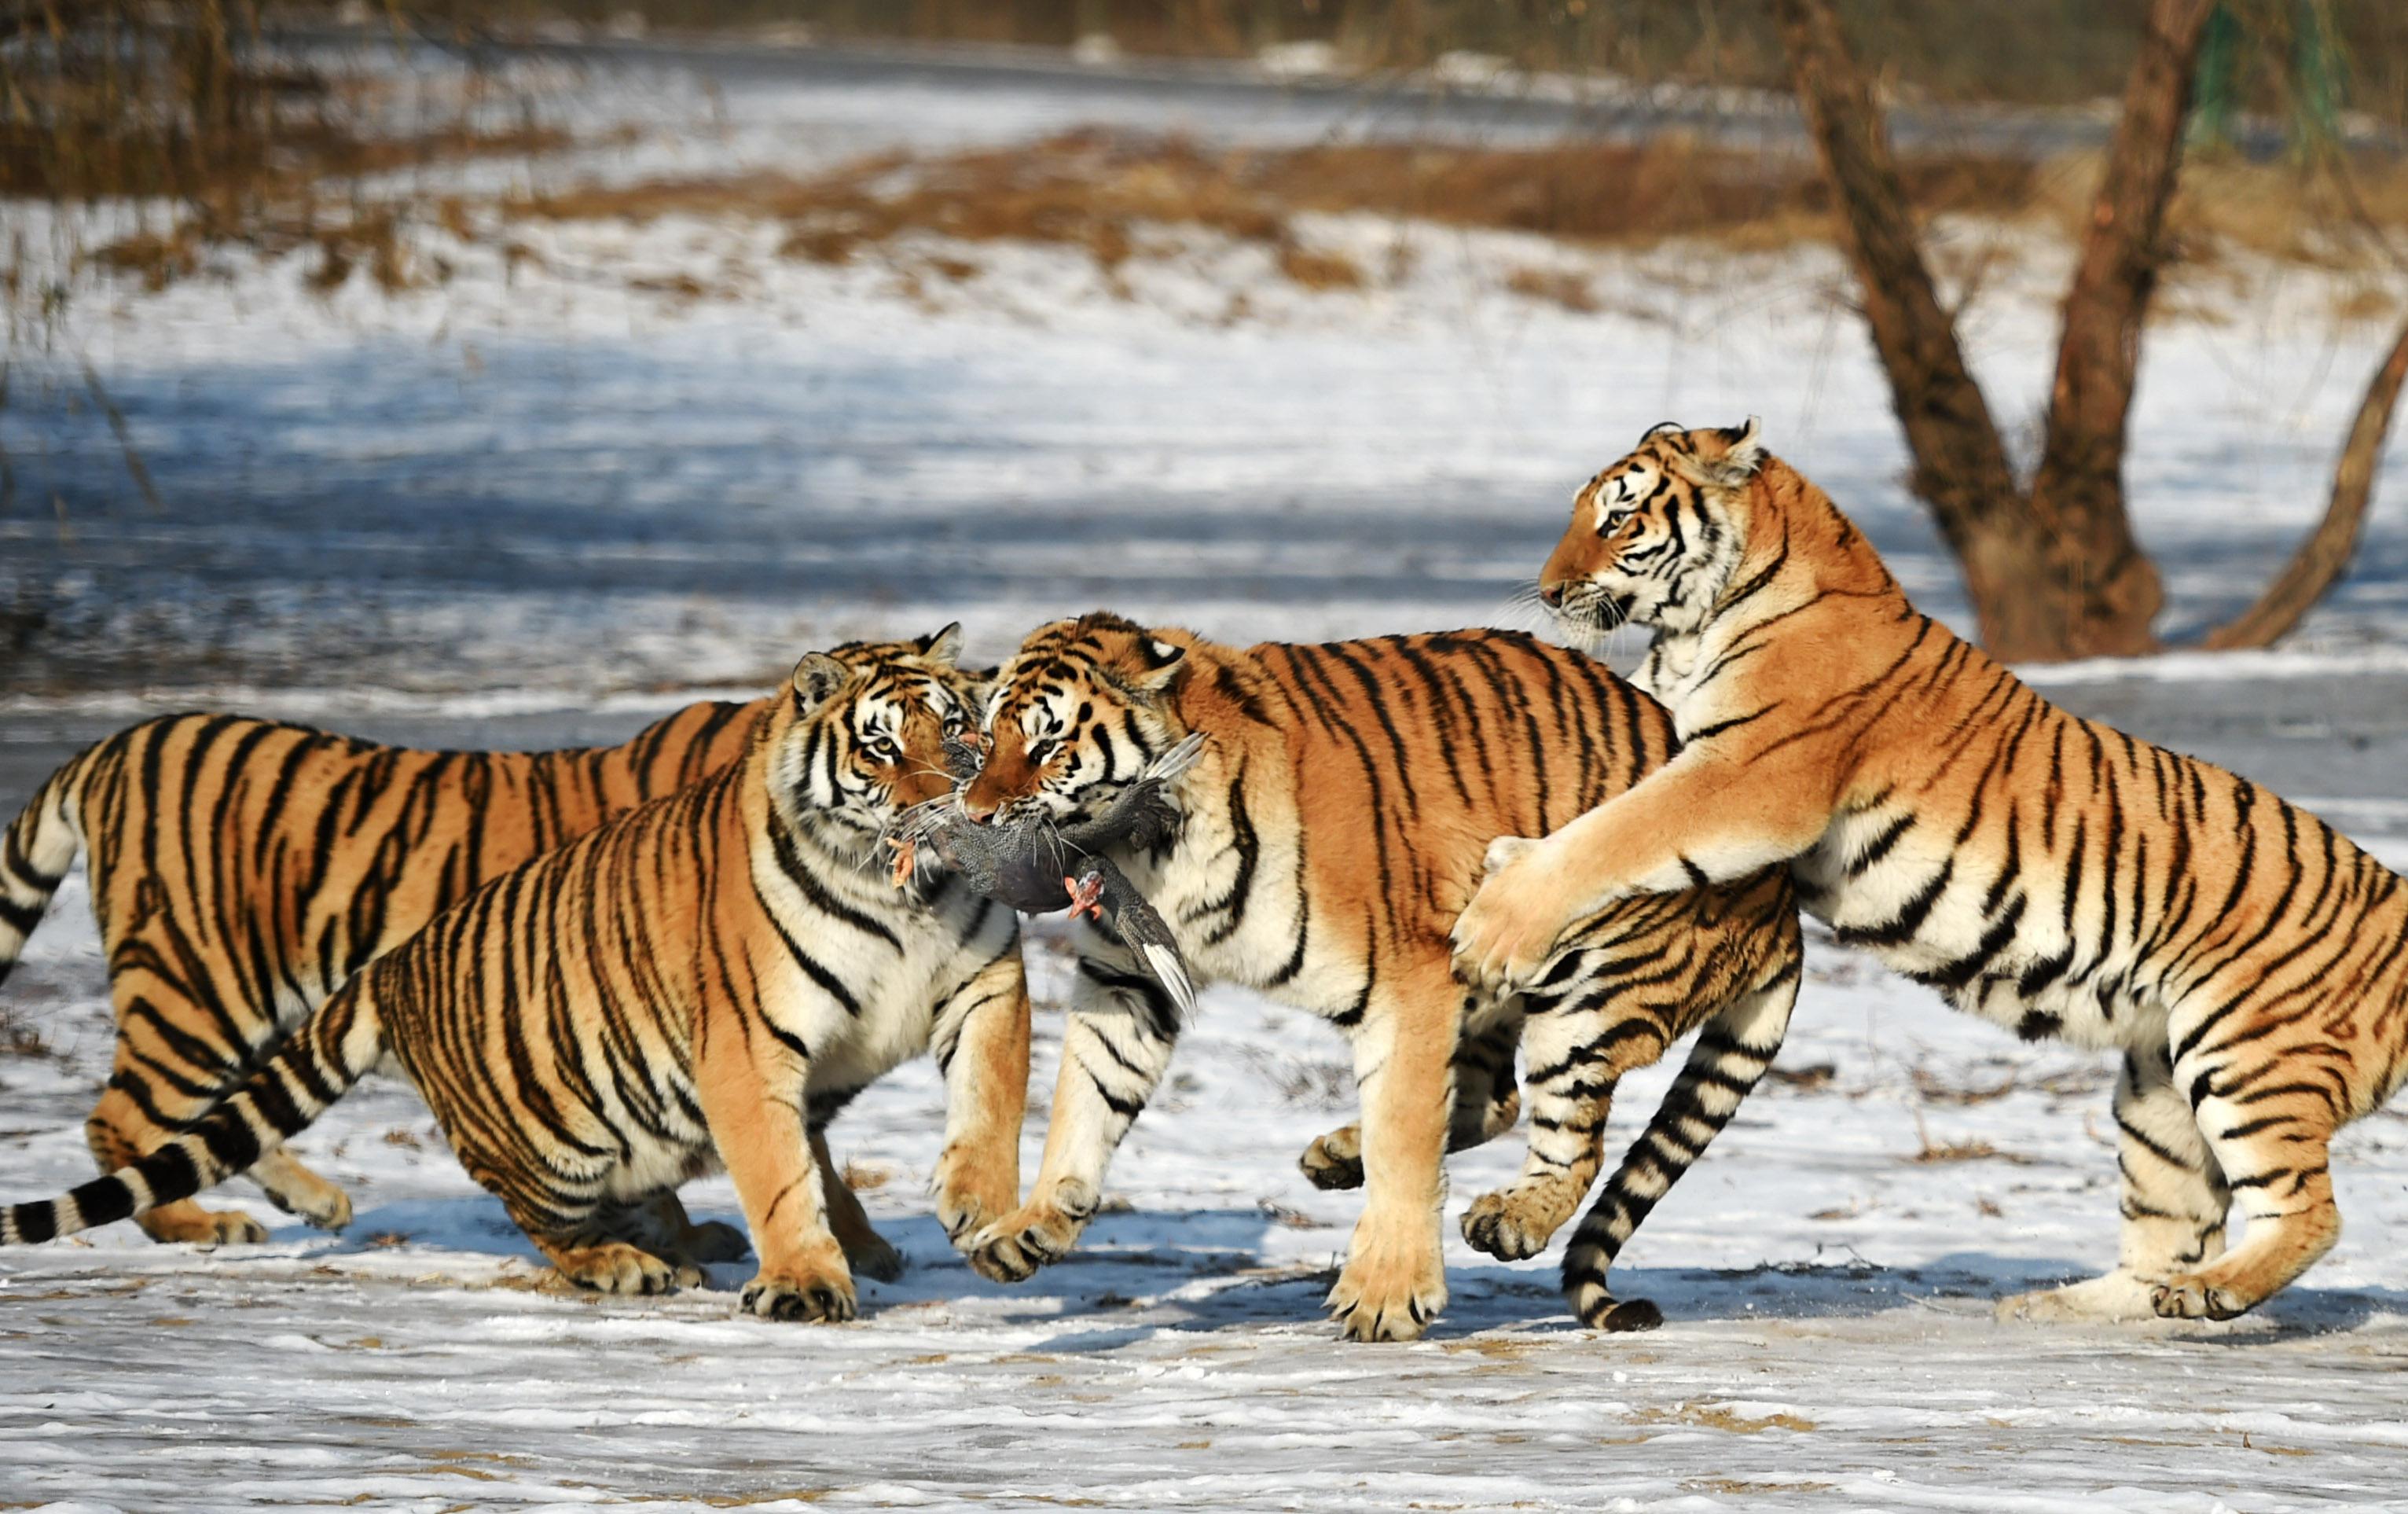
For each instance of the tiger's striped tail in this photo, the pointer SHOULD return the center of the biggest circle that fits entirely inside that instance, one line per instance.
(1734, 1051)
(317, 1065)
(40, 845)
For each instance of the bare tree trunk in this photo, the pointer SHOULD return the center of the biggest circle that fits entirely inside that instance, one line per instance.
(1960, 466)
(2077, 492)
(2053, 571)
(2327, 551)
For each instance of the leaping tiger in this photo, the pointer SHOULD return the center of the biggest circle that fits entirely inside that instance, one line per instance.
(1330, 828)
(706, 979)
(2045, 871)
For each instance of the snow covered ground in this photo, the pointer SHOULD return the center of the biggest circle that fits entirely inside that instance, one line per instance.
(1831, 1343)
(527, 504)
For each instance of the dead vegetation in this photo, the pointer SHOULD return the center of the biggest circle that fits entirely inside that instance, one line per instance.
(227, 141)
(1118, 199)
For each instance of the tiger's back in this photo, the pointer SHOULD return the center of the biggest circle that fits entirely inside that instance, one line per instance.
(704, 979)
(242, 870)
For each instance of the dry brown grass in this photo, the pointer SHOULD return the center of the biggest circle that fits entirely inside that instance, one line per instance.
(1722, 1416)
(1109, 194)
(1554, 286)
(1101, 191)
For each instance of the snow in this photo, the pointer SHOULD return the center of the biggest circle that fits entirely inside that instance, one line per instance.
(1829, 1343)
(534, 491)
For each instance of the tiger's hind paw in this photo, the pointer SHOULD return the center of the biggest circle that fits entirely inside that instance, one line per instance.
(873, 1256)
(188, 1224)
(1514, 1222)
(1335, 1161)
(2117, 1296)
(616, 1268)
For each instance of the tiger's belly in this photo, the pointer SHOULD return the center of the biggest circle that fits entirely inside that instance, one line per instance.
(2002, 952)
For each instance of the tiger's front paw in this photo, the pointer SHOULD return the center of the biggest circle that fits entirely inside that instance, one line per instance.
(1335, 1161)
(812, 1295)
(1390, 1290)
(312, 1198)
(970, 1193)
(1034, 1236)
(1507, 932)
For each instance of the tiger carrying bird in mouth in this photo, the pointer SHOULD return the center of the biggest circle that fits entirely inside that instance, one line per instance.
(1037, 867)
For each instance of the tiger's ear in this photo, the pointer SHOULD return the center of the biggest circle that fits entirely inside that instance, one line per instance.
(944, 646)
(817, 676)
(1742, 455)
(1158, 662)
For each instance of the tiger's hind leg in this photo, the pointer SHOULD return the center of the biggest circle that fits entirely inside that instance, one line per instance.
(604, 1245)
(171, 1067)
(868, 1253)
(2174, 1200)
(1486, 1104)
(2268, 1131)
(661, 1226)
(1735, 1048)
(1576, 1055)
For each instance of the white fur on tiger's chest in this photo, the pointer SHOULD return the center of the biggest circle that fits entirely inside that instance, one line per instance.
(2004, 953)
(896, 986)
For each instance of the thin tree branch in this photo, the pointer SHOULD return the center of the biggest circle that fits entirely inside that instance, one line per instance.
(2081, 464)
(2325, 554)
(1960, 465)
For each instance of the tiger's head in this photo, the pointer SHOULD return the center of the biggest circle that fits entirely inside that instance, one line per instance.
(861, 737)
(1654, 538)
(1075, 715)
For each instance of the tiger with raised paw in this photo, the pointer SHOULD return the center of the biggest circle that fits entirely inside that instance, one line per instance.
(2041, 871)
(703, 981)
(1329, 828)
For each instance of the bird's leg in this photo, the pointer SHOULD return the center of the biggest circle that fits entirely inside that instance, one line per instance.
(1086, 894)
(906, 852)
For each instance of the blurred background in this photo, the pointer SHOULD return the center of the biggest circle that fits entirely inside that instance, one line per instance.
(577, 350)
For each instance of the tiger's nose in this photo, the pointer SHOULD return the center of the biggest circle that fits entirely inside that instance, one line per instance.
(1551, 596)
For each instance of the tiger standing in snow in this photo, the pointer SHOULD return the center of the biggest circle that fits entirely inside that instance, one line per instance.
(1330, 828)
(705, 980)
(243, 869)
(2041, 871)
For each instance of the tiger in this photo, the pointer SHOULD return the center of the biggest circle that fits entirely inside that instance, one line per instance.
(1333, 823)
(2045, 872)
(705, 980)
(242, 870)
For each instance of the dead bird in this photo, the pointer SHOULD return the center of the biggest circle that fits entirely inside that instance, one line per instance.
(1037, 867)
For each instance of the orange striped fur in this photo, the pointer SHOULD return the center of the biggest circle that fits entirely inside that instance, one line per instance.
(1333, 826)
(244, 870)
(706, 979)
(2041, 871)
